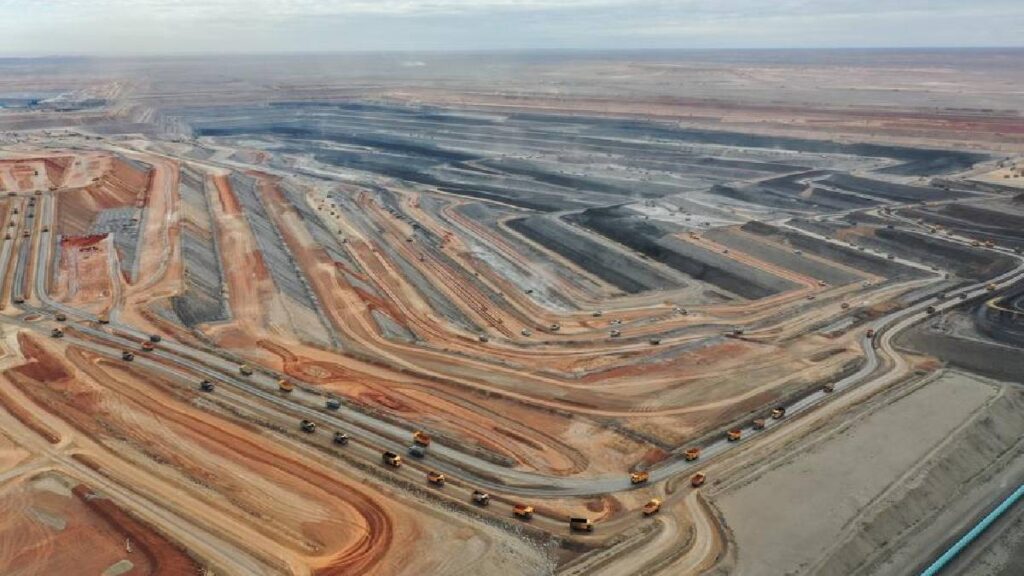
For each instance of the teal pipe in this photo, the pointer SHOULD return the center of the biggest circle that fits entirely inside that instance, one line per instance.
(973, 533)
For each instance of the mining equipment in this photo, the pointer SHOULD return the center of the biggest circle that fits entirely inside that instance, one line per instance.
(990, 244)
(698, 479)
(481, 498)
(758, 424)
(19, 299)
(639, 477)
(828, 388)
(421, 438)
(60, 317)
(555, 327)
(127, 356)
(417, 451)
(845, 306)
(56, 333)
(691, 454)
(891, 256)
(652, 507)
(870, 333)
(148, 346)
(435, 478)
(308, 426)
(522, 511)
(392, 459)
(285, 385)
(734, 434)
(526, 332)
(778, 412)
(206, 386)
(615, 333)
(25, 234)
(930, 310)
(333, 404)
(155, 338)
(245, 370)
(581, 525)
(655, 341)
(597, 314)
(340, 438)
(822, 283)
(990, 287)
(482, 338)
(103, 319)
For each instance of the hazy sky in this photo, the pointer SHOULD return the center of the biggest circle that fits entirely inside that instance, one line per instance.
(33, 27)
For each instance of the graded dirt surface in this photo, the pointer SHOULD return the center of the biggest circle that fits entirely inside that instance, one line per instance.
(228, 308)
(813, 497)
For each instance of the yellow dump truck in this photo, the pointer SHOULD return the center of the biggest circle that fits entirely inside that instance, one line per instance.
(734, 434)
(522, 511)
(392, 459)
(758, 424)
(692, 454)
(652, 507)
(435, 478)
(421, 438)
(245, 370)
(698, 479)
(581, 525)
(639, 477)
(285, 385)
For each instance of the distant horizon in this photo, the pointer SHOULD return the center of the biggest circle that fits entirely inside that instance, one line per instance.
(503, 51)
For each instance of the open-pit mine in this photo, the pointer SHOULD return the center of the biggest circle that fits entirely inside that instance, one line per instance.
(497, 316)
